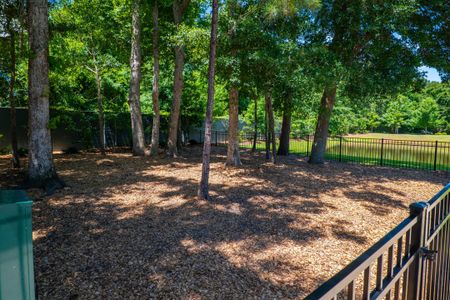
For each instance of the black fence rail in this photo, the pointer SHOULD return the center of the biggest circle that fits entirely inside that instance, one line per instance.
(425, 155)
(410, 262)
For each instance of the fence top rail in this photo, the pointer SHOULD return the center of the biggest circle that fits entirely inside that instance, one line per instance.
(341, 280)
(439, 196)
(390, 139)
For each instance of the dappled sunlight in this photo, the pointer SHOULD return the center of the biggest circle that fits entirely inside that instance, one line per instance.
(266, 232)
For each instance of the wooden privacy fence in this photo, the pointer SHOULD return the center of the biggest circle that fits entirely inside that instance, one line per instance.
(410, 262)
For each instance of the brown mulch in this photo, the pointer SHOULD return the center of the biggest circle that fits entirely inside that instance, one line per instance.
(132, 228)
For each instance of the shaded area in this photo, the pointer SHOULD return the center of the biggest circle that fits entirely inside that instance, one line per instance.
(129, 227)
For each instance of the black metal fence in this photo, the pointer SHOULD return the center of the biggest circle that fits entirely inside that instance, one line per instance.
(425, 155)
(410, 262)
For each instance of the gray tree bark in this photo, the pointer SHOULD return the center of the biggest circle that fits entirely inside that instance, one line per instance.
(41, 170)
(101, 113)
(233, 155)
(155, 87)
(271, 126)
(255, 133)
(172, 150)
(203, 191)
(283, 148)
(135, 83)
(321, 135)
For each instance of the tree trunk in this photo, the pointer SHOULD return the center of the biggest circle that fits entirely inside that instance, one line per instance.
(12, 102)
(271, 126)
(179, 137)
(203, 191)
(101, 114)
(41, 170)
(155, 89)
(323, 121)
(283, 148)
(255, 133)
(178, 11)
(134, 96)
(267, 132)
(233, 156)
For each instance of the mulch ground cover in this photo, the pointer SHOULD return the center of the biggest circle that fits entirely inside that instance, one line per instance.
(132, 228)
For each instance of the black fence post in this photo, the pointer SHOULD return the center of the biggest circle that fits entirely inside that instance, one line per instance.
(382, 152)
(435, 155)
(340, 148)
(418, 237)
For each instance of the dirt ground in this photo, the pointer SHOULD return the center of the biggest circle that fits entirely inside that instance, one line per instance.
(132, 228)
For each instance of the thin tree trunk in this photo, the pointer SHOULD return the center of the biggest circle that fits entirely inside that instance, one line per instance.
(179, 136)
(203, 191)
(267, 132)
(101, 114)
(176, 103)
(233, 156)
(271, 126)
(321, 135)
(255, 132)
(12, 101)
(134, 96)
(41, 170)
(178, 11)
(155, 89)
(283, 148)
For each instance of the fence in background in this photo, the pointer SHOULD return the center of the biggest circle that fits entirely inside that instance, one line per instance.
(410, 262)
(426, 155)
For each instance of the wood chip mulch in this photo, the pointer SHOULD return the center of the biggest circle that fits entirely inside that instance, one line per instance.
(132, 228)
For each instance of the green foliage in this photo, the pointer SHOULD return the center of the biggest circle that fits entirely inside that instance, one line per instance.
(292, 48)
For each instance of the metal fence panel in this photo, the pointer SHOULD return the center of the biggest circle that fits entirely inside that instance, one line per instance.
(410, 262)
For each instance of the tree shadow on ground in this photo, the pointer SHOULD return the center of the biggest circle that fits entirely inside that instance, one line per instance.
(90, 244)
(377, 203)
(95, 249)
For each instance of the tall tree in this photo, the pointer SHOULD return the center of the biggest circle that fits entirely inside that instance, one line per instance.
(135, 82)
(361, 53)
(283, 148)
(155, 89)
(101, 115)
(203, 191)
(179, 8)
(83, 37)
(321, 133)
(41, 170)
(233, 156)
(255, 125)
(271, 125)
